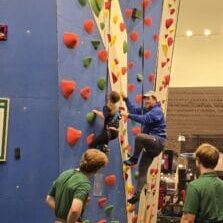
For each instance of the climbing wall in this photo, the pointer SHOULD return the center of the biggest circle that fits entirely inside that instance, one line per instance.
(123, 36)
(149, 197)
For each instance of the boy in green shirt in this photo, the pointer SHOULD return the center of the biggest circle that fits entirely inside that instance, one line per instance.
(69, 192)
(204, 199)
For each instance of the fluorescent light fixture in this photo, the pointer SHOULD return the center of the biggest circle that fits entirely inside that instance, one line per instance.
(207, 32)
(189, 33)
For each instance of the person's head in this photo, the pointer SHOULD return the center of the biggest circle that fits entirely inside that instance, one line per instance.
(149, 99)
(114, 97)
(92, 160)
(207, 156)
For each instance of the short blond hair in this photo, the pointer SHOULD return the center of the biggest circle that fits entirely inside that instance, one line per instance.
(93, 160)
(207, 155)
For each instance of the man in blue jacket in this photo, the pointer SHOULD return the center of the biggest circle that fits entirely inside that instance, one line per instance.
(151, 141)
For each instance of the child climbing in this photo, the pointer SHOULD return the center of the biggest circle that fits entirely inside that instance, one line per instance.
(111, 116)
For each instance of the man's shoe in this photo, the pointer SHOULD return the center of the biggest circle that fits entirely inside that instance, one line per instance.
(131, 161)
(134, 199)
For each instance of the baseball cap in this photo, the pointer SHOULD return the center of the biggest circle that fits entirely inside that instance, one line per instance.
(150, 93)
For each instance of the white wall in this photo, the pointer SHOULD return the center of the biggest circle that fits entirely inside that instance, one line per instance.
(197, 61)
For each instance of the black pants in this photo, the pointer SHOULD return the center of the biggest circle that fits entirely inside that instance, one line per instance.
(150, 146)
(103, 138)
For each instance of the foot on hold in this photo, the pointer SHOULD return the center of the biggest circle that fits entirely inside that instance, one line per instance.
(105, 149)
(130, 162)
(134, 199)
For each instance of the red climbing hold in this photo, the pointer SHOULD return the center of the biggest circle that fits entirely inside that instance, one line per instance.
(71, 40)
(134, 36)
(121, 139)
(153, 170)
(102, 201)
(102, 221)
(134, 218)
(145, 3)
(116, 61)
(136, 130)
(103, 55)
(156, 37)
(170, 41)
(73, 135)
(90, 138)
(110, 180)
(163, 64)
(151, 77)
(67, 87)
(169, 22)
(128, 12)
(138, 98)
(85, 92)
(131, 86)
(167, 79)
(148, 21)
(122, 26)
(172, 11)
(114, 78)
(108, 4)
(89, 25)
(131, 64)
(124, 70)
(147, 54)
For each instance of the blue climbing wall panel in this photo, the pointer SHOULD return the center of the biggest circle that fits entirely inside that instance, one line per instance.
(33, 61)
(28, 76)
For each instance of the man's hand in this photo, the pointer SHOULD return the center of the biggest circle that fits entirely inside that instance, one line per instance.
(124, 114)
(188, 218)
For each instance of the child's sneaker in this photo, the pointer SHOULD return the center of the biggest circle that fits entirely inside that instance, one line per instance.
(131, 161)
(105, 149)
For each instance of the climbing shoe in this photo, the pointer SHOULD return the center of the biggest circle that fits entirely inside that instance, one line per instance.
(131, 162)
(134, 199)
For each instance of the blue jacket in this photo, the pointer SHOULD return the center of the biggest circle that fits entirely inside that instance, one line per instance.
(152, 119)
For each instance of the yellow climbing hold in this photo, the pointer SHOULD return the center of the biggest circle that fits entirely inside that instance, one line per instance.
(165, 48)
(115, 19)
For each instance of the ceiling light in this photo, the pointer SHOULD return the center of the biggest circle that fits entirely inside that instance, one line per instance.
(189, 33)
(207, 32)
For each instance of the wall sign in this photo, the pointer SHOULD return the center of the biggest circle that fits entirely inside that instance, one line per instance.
(4, 116)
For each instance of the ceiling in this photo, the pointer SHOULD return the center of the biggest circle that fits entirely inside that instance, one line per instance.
(197, 15)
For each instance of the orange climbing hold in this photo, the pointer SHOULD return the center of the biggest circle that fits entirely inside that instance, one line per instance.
(124, 70)
(134, 36)
(147, 54)
(138, 98)
(122, 26)
(110, 180)
(108, 4)
(128, 12)
(148, 21)
(169, 22)
(103, 55)
(172, 11)
(151, 77)
(71, 40)
(156, 37)
(102, 201)
(131, 86)
(136, 130)
(145, 3)
(73, 135)
(90, 138)
(85, 92)
(102, 221)
(134, 218)
(67, 87)
(89, 25)
(114, 78)
(170, 41)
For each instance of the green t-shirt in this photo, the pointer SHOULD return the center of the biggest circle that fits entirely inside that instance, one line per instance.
(205, 198)
(69, 185)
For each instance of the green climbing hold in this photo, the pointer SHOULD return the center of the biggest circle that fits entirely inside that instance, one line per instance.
(96, 6)
(87, 62)
(141, 51)
(86, 221)
(114, 221)
(83, 2)
(102, 26)
(139, 77)
(136, 14)
(136, 174)
(109, 209)
(101, 83)
(90, 117)
(125, 47)
(95, 43)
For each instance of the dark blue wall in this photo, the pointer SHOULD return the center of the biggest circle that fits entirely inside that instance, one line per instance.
(28, 76)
